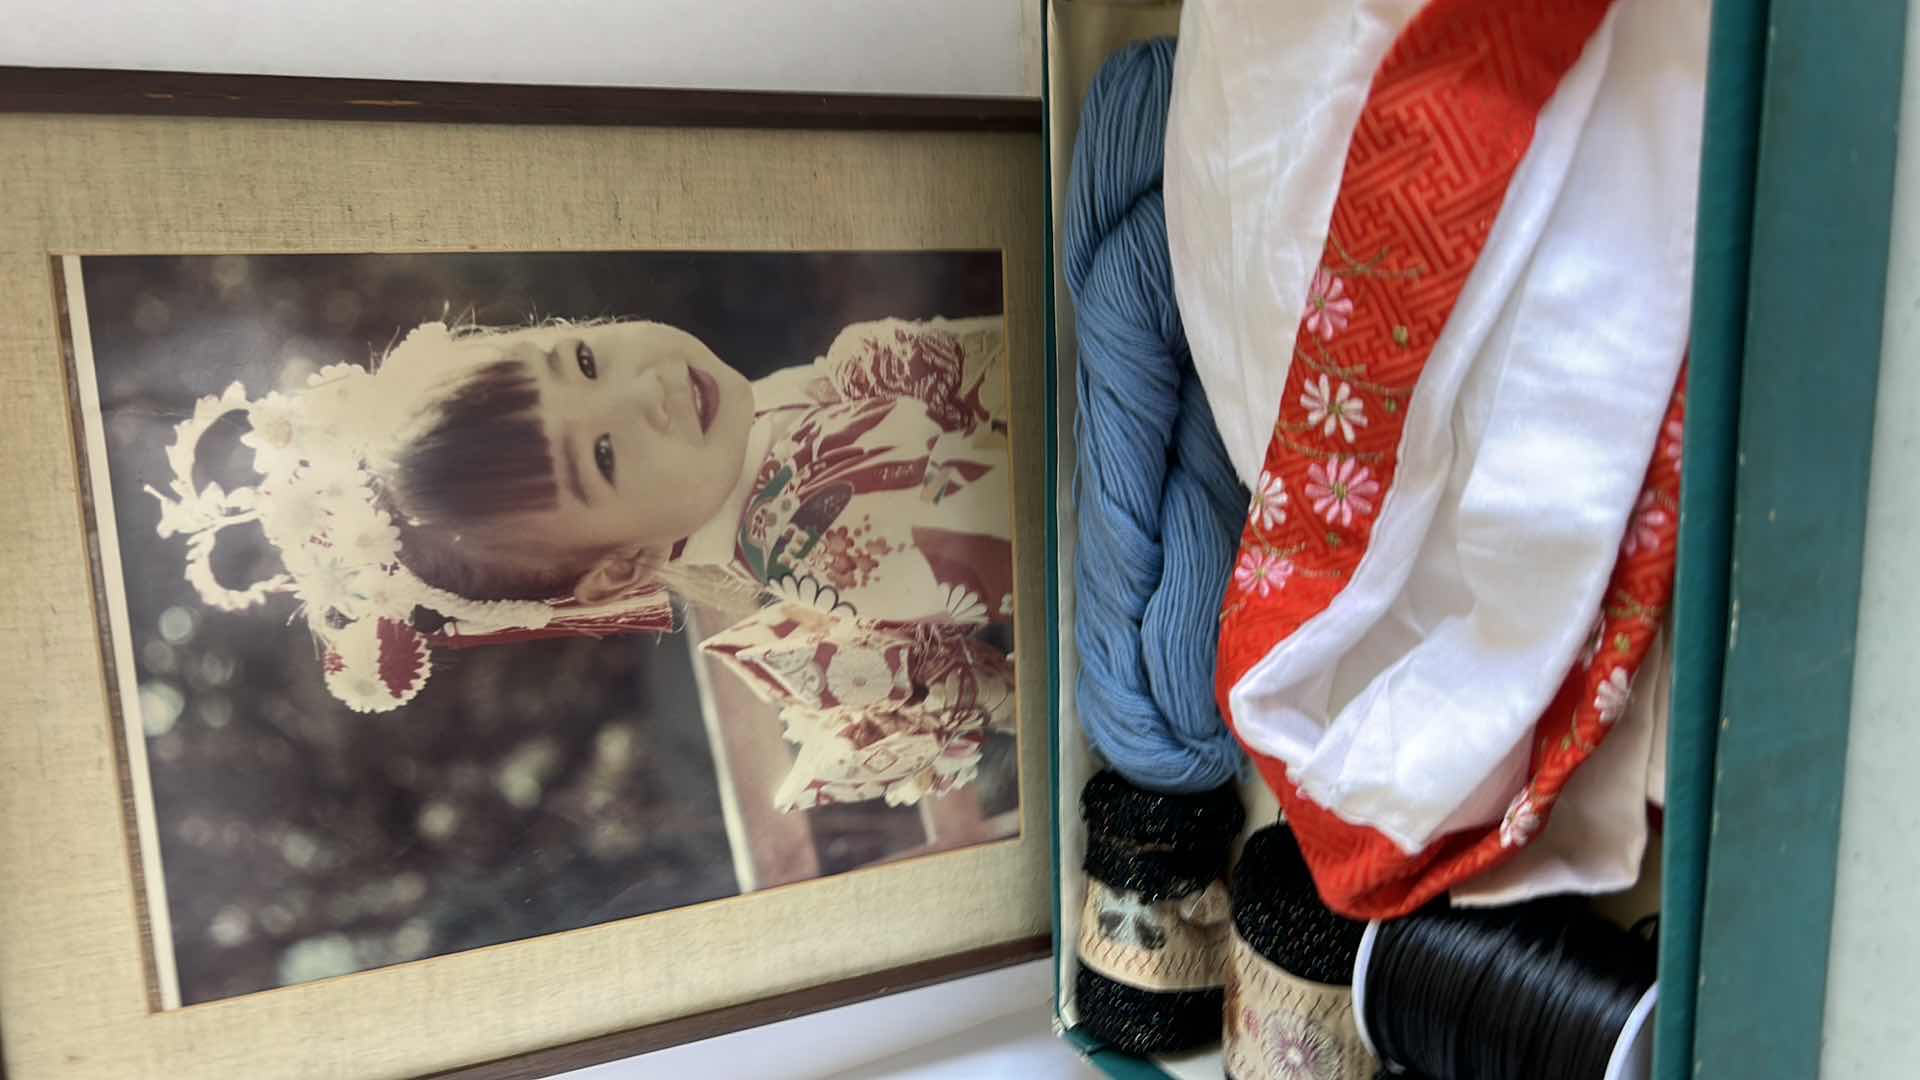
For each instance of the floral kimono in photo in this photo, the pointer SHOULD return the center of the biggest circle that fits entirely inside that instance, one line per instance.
(879, 521)
(872, 516)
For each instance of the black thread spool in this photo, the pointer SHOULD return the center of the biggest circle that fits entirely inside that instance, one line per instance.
(1296, 1020)
(1278, 911)
(1159, 848)
(1546, 989)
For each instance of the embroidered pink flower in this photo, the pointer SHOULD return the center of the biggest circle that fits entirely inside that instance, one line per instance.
(1613, 695)
(1522, 820)
(1340, 489)
(1672, 439)
(1269, 506)
(1329, 308)
(1262, 571)
(1333, 408)
(1299, 1049)
(1643, 530)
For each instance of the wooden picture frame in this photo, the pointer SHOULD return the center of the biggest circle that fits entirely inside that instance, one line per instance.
(153, 163)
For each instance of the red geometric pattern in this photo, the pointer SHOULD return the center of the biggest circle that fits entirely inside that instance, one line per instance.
(1362, 874)
(1449, 117)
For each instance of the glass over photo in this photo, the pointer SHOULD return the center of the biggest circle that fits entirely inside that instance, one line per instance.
(455, 599)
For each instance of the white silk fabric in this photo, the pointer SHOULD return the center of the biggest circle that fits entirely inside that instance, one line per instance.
(1408, 704)
(1265, 98)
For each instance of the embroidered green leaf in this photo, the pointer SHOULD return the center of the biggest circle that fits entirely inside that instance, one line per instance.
(1333, 539)
(1566, 742)
(1401, 338)
(1393, 406)
(1622, 643)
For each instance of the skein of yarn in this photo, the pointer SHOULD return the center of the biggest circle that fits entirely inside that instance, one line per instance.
(1518, 993)
(1159, 507)
(1159, 513)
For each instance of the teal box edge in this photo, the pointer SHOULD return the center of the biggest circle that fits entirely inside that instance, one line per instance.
(1736, 67)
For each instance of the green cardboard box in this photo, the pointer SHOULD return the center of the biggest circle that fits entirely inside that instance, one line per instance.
(1765, 604)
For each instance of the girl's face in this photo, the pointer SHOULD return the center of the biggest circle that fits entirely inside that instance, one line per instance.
(647, 429)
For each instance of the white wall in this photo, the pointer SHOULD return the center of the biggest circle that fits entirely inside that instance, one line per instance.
(990, 1025)
(868, 46)
(1872, 1027)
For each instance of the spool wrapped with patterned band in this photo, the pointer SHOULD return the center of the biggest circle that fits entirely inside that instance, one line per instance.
(1153, 929)
(1288, 1013)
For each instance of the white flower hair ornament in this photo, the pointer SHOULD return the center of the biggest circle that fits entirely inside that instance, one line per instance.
(318, 453)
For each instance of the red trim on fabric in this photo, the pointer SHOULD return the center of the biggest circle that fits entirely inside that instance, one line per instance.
(1450, 115)
(1362, 874)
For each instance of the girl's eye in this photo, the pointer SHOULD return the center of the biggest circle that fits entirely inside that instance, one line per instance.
(603, 452)
(584, 357)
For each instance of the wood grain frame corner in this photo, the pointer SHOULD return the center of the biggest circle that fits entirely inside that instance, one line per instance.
(290, 97)
(707, 1025)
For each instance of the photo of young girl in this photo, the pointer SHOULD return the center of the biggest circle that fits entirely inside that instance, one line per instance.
(460, 598)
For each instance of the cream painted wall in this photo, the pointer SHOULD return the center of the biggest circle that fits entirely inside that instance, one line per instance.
(1872, 1026)
(869, 46)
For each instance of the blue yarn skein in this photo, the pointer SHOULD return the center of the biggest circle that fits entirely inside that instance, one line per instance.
(1158, 504)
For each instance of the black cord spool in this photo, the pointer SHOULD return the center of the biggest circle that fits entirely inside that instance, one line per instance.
(1163, 847)
(1528, 992)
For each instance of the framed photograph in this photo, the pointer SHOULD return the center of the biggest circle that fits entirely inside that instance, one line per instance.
(504, 596)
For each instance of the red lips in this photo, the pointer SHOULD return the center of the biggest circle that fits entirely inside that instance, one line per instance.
(706, 396)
